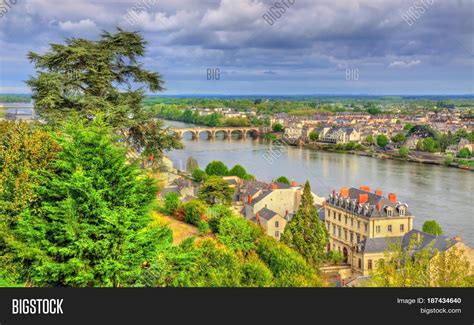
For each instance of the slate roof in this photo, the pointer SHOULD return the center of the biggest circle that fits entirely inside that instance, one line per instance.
(266, 214)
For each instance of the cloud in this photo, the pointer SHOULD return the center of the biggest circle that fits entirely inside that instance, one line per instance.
(84, 25)
(404, 64)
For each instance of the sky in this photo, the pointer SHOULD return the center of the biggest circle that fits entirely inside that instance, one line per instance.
(374, 47)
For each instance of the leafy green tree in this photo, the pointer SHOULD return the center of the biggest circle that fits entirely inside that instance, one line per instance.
(305, 232)
(93, 225)
(283, 179)
(194, 210)
(370, 140)
(25, 151)
(408, 127)
(277, 127)
(85, 78)
(448, 160)
(238, 233)
(215, 215)
(382, 140)
(335, 257)
(399, 138)
(216, 168)
(171, 203)
(215, 190)
(255, 273)
(191, 164)
(198, 175)
(464, 153)
(238, 171)
(403, 151)
(428, 144)
(314, 135)
(432, 227)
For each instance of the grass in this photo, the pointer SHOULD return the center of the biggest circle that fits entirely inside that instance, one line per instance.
(181, 230)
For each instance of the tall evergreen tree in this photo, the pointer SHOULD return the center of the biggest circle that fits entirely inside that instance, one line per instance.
(92, 226)
(86, 78)
(305, 233)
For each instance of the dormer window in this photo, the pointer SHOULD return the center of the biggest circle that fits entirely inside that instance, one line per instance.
(401, 211)
(389, 212)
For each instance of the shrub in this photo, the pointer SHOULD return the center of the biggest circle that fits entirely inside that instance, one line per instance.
(194, 210)
(215, 214)
(238, 233)
(171, 203)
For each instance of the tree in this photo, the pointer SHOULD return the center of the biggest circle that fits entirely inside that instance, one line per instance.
(238, 171)
(216, 190)
(370, 140)
(277, 127)
(428, 144)
(382, 140)
(216, 168)
(92, 226)
(171, 203)
(191, 164)
(283, 179)
(238, 233)
(215, 214)
(314, 135)
(305, 233)
(399, 138)
(403, 151)
(85, 78)
(432, 227)
(464, 153)
(198, 175)
(408, 127)
(194, 210)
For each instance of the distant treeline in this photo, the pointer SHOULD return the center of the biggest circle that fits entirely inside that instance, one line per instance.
(7, 98)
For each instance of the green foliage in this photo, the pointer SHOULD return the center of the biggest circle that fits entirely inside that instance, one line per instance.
(464, 153)
(191, 164)
(171, 203)
(408, 127)
(374, 111)
(198, 175)
(236, 121)
(432, 227)
(382, 140)
(194, 210)
(92, 226)
(238, 233)
(399, 138)
(335, 257)
(283, 179)
(270, 137)
(255, 273)
(288, 267)
(305, 232)
(277, 127)
(370, 140)
(203, 227)
(85, 78)
(314, 135)
(215, 214)
(448, 160)
(216, 168)
(428, 144)
(238, 171)
(403, 151)
(215, 190)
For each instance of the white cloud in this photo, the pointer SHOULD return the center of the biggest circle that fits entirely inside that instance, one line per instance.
(404, 64)
(77, 27)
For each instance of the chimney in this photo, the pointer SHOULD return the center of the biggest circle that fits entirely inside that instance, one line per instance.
(379, 206)
(365, 188)
(293, 184)
(363, 198)
(257, 216)
(344, 192)
(378, 192)
(274, 186)
(457, 238)
(392, 197)
(249, 199)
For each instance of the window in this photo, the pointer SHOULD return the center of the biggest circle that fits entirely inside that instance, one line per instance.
(345, 220)
(334, 214)
(352, 236)
(329, 226)
(389, 212)
(402, 228)
(276, 224)
(389, 228)
(358, 239)
(377, 229)
(339, 217)
(334, 230)
(360, 263)
(369, 264)
(358, 224)
(401, 211)
(277, 234)
(352, 222)
(339, 232)
(366, 227)
(345, 234)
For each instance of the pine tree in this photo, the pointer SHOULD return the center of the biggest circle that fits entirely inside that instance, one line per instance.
(92, 227)
(305, 233)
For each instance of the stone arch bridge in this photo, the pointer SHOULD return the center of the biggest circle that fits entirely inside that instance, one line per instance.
(212, 131)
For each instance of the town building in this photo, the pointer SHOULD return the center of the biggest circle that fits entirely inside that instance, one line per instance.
(339, 135)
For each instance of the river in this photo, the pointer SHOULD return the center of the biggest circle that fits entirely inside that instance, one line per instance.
(431, 192)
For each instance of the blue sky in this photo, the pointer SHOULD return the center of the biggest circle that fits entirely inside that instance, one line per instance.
(309, 50)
